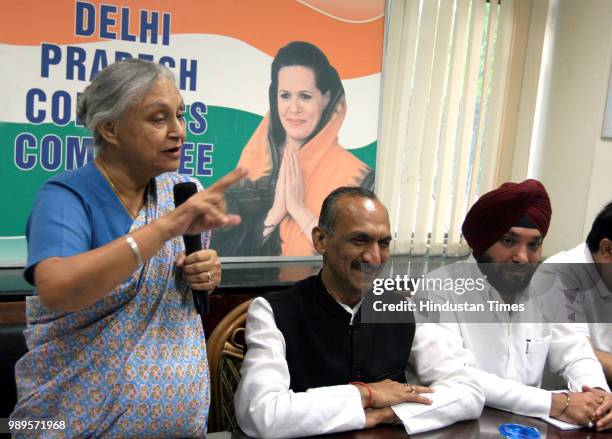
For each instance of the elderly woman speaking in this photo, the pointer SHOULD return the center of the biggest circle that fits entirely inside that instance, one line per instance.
(116, 346)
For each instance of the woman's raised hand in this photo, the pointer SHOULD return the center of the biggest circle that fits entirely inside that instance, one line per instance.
(206, 209)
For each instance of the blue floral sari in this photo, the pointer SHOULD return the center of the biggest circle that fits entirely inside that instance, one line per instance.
(131, 365)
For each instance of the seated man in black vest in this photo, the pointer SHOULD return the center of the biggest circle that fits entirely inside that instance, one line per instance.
(312, 367)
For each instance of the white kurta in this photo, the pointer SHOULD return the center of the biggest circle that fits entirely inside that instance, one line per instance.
(266, 407)
(598, 300)
(511, 351)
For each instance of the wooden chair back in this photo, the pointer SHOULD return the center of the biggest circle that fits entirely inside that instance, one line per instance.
(226, 348)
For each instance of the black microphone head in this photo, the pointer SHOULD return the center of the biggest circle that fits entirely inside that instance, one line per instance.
(182, 191)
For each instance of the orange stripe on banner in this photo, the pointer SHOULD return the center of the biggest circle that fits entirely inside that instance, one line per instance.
(349, 10)
(355, 49)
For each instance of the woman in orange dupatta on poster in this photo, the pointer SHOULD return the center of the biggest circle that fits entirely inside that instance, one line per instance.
(293, 159)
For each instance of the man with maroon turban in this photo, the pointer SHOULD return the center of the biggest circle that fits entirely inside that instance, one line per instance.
(510, 341)
(498, 222)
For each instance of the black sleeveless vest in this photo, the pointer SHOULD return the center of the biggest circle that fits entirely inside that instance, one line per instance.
(324, 349)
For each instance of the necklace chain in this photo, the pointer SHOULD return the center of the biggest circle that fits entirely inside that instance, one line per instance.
(102, 169)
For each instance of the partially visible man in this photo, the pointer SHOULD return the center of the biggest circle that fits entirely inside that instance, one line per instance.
(312, 367)
(505, 229)
(596, 256)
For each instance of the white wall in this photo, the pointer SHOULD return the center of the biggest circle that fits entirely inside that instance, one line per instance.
(569, 156)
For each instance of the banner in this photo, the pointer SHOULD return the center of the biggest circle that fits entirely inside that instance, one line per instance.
(221, 53)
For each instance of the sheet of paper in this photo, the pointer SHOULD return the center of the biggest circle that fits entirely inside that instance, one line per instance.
(560, 424)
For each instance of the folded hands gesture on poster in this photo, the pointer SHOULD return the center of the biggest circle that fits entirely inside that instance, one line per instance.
(289, 196)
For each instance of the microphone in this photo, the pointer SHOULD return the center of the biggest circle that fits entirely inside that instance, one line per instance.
(193, 243)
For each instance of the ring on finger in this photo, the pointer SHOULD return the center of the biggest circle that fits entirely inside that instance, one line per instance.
(591, 424)
(210, 276)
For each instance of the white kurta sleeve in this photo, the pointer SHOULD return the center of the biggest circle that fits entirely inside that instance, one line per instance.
(572, 356)
(266, 407)
(502, 393)
(569, 354)
(457, 395)
(513, 396)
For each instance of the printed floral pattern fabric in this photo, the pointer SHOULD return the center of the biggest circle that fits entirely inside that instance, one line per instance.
(131, 365)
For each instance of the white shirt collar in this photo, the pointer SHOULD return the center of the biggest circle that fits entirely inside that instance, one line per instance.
(352, 311)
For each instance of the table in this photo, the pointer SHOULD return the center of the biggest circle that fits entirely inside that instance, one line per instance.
(483, 428)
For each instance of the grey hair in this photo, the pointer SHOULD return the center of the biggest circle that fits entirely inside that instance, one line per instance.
(117, 87)
(327, 218)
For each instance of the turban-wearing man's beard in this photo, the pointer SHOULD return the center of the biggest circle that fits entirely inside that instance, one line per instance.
(509, 278)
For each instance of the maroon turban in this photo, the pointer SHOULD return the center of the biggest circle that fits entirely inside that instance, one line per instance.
(498, 211)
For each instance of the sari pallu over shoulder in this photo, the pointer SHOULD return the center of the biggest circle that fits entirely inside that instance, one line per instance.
(132, 364)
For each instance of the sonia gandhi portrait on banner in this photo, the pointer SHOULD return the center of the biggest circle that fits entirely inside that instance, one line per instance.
(116, 346)
(293, 159)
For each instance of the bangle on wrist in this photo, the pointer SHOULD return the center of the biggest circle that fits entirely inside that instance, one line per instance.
(370, 402)
(131, 242)
(567, 403)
